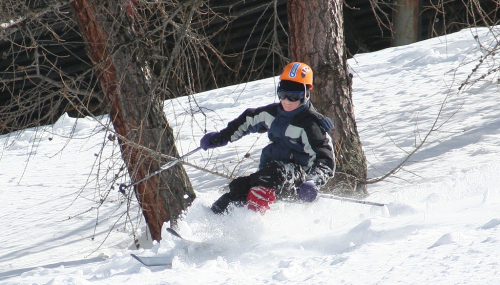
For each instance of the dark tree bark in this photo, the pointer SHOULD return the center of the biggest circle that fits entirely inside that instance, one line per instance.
(317, 38)
(136, 113)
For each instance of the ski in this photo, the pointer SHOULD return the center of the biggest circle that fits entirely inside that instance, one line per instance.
(178, 235)
(329, 196)
(162, 260)
(153, 260)
(174, 233)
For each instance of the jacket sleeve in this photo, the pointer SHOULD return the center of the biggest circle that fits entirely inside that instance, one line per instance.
(256, 120)
(323, 167)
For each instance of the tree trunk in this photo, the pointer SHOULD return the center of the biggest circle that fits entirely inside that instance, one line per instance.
(136, 113)
(316, 31)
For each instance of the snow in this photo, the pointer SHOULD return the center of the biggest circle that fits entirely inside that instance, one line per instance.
(441, 224)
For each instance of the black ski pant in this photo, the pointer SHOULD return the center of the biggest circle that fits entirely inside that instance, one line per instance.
(284, 178)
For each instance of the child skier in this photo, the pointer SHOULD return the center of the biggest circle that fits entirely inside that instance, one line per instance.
(298, 160)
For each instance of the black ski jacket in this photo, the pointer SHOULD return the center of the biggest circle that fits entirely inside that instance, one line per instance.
(296, 137)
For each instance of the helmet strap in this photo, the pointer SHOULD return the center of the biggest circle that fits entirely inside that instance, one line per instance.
(307, 93)
(307, 97)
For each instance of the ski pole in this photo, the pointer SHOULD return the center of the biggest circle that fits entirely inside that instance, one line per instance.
(162, 168)
(328, 196)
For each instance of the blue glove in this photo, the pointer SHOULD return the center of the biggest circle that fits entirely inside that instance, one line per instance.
(212, 140)
(308, 191)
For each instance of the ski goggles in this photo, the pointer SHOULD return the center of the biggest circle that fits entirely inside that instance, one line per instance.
(292, 96)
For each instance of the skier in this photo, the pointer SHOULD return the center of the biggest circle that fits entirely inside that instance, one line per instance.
(298, 160)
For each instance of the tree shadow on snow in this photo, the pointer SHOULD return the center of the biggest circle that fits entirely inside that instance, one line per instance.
(18, 272)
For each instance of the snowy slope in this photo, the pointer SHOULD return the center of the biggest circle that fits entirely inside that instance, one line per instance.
(443, 227)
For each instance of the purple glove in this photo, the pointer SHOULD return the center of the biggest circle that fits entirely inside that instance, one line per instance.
(308, 191)
(212, 140)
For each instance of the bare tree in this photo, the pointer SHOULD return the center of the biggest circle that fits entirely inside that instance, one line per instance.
(141, 53)
(120, 58)
(317, 38)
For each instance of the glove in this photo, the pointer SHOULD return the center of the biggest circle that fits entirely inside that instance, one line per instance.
(259, 198)
(212, 140)
(308, 191)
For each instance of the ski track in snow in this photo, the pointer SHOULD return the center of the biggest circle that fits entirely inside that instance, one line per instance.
(443, 227)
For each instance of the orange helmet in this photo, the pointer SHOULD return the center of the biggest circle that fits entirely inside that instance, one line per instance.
(298, 72)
